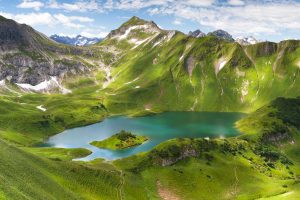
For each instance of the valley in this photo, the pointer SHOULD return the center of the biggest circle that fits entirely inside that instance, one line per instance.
(139, 74)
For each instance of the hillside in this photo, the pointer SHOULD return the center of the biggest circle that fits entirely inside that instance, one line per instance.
(140, 69)
(167, 70)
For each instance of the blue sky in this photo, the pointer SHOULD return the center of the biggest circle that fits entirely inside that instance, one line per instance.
(272, 20)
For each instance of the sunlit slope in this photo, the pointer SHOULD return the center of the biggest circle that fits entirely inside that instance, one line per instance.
(158, 70)
(25, 176)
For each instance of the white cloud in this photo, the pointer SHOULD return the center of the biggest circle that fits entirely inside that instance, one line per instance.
(45, 18)
(252, 18)
(31, 18)
(202, 3)
(177, 22)
(94, 33)
(236, 2)
(79, 6)
(36, 5)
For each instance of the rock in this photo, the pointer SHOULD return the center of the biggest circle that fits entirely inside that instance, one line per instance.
(197, 34)
(222, 35)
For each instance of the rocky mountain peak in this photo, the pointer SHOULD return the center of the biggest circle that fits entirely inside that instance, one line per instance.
(197, 34)
(12, 33)
(135, 25)
(222, 35)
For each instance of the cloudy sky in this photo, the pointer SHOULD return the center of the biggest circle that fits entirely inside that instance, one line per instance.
(272, 20)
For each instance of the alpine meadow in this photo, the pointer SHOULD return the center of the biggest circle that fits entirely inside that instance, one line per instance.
(145, 112)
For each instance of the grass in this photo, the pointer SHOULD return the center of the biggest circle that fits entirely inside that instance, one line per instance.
(120, 140)
(28, 176)
(261, 164)
(58, 154)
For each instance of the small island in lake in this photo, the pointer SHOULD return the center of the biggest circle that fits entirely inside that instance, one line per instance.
(121, 140)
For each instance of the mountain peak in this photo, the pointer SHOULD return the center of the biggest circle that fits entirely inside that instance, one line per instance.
(134, 24)
(197, 34)
(222, 35)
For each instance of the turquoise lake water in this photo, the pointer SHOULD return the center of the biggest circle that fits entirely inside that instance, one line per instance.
(158, 128)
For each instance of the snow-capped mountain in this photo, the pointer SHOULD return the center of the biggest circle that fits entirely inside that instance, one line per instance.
(197, 34)
(79, 40)
(246, 40)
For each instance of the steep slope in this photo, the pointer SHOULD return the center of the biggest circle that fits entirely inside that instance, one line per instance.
(28, 58)
(162, 70)
(26, 176)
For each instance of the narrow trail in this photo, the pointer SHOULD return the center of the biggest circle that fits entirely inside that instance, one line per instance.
(166, 194)
(236, 183)
(121, 187)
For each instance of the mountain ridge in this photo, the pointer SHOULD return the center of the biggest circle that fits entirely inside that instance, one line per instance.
(205, 74)
(78, 40)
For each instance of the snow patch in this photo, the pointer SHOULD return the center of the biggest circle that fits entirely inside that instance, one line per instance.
(2, 83)
(220, 65)
(180, 59)
(132, 81)
(170, 35)
(41, 107)
(44, 86)
(137, 42)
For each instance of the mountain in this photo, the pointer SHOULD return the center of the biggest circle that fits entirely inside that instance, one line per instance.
(141, 69)
(246, 40)
(196, 34)
(222, 35)
(29, 58)
(167, 69)
(79, 40)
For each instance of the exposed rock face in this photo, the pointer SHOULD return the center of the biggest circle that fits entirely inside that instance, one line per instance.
(190, 65)
(186, 153)
(266, 48)
(23, 69)
(276, 138)
(196, 34)
(222, 35)
(27, 56)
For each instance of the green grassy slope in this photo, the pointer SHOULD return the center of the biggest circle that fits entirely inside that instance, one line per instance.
(26, 176)
(181, 73)
(262, 167)
(168, 72)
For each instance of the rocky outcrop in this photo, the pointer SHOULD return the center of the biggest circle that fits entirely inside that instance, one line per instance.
(186, 153)
(196, 34)
(221, 35)
(29, 57)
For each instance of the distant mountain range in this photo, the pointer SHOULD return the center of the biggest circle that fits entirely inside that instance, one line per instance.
(224, 35)
(79, 40)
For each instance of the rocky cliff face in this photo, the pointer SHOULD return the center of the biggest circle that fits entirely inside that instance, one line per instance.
(222, 35)
(196, 34)
(27, 56)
